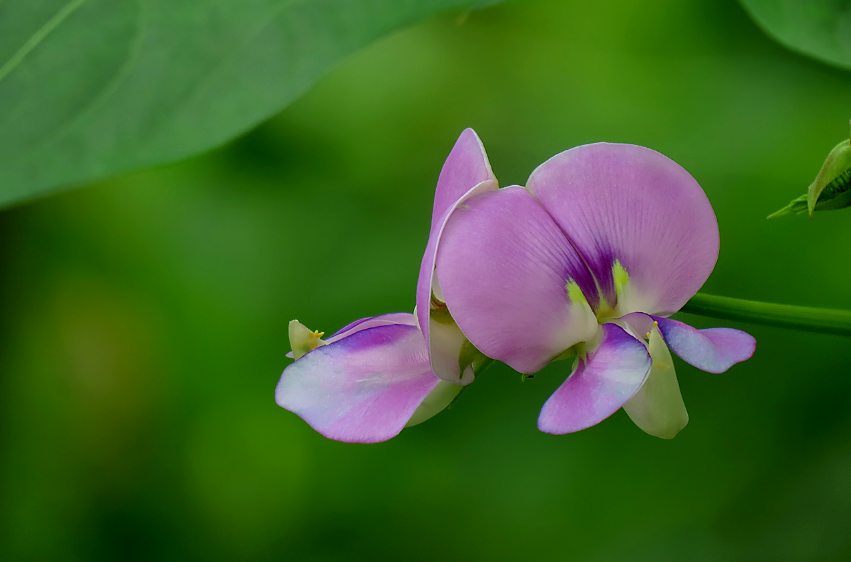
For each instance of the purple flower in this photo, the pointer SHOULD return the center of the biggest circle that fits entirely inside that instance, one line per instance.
(588, 261)
(378, 375)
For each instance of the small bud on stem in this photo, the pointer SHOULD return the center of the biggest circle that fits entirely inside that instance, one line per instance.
(831, 188)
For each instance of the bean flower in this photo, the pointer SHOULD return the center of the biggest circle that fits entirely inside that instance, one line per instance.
(588, 261)
(376, 376)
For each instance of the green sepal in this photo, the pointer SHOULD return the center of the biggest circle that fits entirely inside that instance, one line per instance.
(440, 313)
(831, 189)
(482, 364)
(796, 207)
(470, 355)
(457, 396)
(568, 353)
(836, 194)
(832, 180)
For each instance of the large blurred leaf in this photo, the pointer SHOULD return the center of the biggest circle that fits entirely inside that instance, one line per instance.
(89, 88)
(818, 28)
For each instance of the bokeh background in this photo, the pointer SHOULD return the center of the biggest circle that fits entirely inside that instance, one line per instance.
(144, 319)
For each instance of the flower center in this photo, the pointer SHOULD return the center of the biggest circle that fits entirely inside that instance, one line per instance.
(605, 310)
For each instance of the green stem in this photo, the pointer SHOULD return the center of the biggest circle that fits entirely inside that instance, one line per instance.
(822, 320)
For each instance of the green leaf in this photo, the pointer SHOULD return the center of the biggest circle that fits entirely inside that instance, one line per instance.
(92, 88)
(818, 28)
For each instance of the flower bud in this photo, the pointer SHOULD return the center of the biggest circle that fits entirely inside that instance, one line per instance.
(302, 339)
(831, 188)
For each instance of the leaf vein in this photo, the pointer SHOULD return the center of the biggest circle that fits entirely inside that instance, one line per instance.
(111, 85)
(39, 36)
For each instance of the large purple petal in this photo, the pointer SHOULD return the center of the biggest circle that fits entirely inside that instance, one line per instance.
(599, 385)
(630, 204)
(505, 270)
(465, 173)
(363, 388)
(713, 350)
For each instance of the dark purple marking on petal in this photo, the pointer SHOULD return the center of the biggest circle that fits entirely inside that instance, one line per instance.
(631, 204)
(405, 318)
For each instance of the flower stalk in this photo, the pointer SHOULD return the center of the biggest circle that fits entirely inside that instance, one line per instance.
(819, 320)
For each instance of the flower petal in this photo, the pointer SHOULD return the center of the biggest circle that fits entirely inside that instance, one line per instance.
(713, 350)
(445, 343)
(466, 166)
(631, 205)
(658, 408)
(506, 271)
(363, 388)
(599, 385)
(405, 318)
(465, 173)
(369, 322)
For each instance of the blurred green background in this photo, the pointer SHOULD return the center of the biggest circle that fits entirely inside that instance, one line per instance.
(144, 321)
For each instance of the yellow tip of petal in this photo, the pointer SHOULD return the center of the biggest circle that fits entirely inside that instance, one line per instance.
(302, 339)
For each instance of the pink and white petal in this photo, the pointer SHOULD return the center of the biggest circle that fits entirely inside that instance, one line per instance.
(713, 350)
(599, 385)
(627, 203)
(465, 173)
(504, 269)
(363, 388)
(466, 166)
(658, 408)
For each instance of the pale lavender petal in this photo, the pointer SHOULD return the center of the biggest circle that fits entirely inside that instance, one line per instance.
(713, 350)
(599, 385)
(363, 388)
(465, 173)
(630, 204)
(504, 269)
